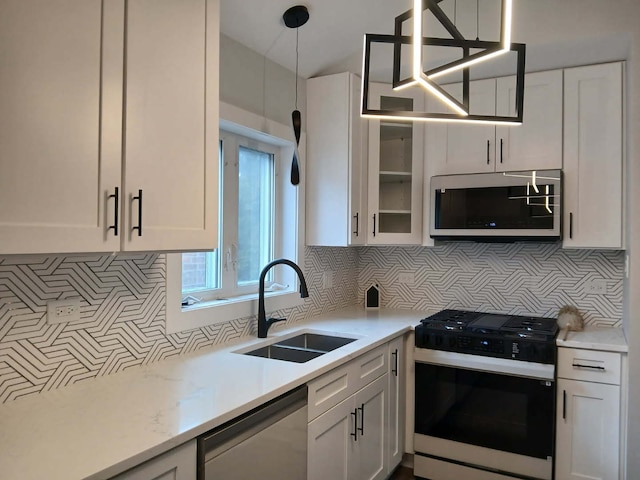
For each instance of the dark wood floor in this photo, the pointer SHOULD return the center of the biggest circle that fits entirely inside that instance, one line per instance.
(402, 473)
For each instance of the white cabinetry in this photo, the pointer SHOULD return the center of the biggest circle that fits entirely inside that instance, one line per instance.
(177, 464)
(473, 148)
(336, 172)
(356, 417)
(593, 157)
(397, 379)
(588, 417)
(99, 101)
(395, 170)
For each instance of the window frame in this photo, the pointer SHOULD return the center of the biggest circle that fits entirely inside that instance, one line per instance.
(289, 200)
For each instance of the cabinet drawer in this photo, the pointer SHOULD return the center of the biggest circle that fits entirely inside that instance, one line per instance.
(589, 365)
(370, 366)
(329, 390)
(335, 386)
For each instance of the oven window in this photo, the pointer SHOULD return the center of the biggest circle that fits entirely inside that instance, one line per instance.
(496, 411)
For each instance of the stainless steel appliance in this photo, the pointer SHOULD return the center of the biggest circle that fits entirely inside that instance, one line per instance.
(484, 396)
(269, 443)
(505, 206)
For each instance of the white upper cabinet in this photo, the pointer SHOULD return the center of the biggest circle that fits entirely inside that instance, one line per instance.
(459, 147)
(396, 158)
(593, 157)
(336, 171)
(454, 148)
(171, 125)
(537, 143)
(98, 104)
(61, 115)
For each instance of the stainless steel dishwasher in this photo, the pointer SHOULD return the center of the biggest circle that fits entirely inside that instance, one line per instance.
(268, 443)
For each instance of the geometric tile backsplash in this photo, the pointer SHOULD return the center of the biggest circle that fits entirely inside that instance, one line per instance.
(123, 296)
(516, 278)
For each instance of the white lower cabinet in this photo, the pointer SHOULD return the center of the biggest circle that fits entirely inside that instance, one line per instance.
(589, 415)
(397, 379)
(356, 417)
(177, 464)
(348, 441)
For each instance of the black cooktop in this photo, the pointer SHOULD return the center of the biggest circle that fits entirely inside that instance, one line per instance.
(506, 336)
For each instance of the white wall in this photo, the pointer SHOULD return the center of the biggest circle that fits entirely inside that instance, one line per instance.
(260, 86)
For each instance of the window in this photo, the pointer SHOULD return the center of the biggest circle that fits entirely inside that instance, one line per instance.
(259, 220)
(247, 224)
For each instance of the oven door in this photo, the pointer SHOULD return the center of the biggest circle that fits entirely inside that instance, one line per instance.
(484, 413)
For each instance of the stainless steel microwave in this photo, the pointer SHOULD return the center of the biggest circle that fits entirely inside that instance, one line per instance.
(506, 206)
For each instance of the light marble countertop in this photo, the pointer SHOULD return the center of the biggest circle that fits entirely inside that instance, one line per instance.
(595, 338)
(101, 427)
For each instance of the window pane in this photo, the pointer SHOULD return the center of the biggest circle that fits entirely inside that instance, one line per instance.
(200, 271)
(255, 213)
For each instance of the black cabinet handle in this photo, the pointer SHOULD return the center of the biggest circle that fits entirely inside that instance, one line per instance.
(394, 370)
(354, 414)
(593, 367)
(564, 404)
(570, 224)
(361, 429)
(501, 144)
(139, 199)
(116, 197)
(488, 146)
(374, 224)
(357, 226)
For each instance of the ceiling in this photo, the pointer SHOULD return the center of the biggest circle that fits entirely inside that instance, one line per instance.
(334, 32)
(571, 32)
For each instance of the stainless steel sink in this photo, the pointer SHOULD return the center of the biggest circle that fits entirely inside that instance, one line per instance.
(276, 352)
(301, 348)
(316, 342)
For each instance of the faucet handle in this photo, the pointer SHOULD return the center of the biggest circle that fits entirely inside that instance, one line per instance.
(271, 321)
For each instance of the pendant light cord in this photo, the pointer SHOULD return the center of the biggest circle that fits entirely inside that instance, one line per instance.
(297, 32)
(477, 20)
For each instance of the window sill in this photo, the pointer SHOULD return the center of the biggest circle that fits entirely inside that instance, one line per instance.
(179, 318)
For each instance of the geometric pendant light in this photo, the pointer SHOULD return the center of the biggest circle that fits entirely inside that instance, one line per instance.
(459, 109)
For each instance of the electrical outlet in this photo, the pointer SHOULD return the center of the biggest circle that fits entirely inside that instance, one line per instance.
(62, 311)
(327, 280)
(597, 287)
(407, 278)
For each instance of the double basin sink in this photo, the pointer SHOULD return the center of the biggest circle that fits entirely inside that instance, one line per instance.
(300, 348)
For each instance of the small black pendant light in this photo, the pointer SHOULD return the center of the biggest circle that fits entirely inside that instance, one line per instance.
(296, 17)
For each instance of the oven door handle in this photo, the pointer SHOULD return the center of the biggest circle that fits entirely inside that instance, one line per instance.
(516, 368)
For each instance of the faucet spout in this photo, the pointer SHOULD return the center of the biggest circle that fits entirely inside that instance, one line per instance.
(263, 322)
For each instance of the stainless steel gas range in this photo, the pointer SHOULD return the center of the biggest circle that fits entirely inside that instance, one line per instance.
(484, 396)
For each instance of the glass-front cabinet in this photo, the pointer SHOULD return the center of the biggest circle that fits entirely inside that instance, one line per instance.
(395, 170)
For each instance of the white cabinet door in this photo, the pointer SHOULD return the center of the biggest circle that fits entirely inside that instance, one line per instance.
(171, 125)
(462, 147)
(331, 443)
(537, 143)
(587, 433)
(72, 162)
(370, 455)
(397, 378)
(61, 115)
(336, 179)
(593, 157)
(395, 170)
(177, 464)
